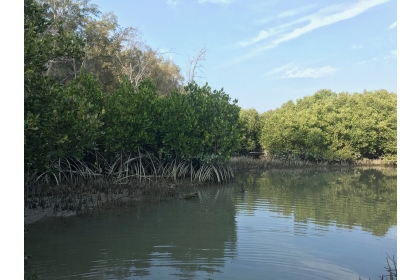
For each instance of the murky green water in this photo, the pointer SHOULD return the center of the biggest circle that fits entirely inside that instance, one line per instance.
(296, 224)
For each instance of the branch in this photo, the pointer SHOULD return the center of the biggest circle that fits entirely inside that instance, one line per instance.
(195, 64)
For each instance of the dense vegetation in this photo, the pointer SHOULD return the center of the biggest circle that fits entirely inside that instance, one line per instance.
(250, 125)
(93, 87)
(76, 117)
(331, 126)
(325, 127)
(199, 123)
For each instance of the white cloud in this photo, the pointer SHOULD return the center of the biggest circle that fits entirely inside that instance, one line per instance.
(270, 32)
(261, 36)
(310, 72)
(356, 47)
(172, 2)
(239, 59)
(394, 53)
(278, 69)
(323, 17)
(393, 25)
(381, 58)
(215, 1)
(286, 14)
(167, 54)
(289, 13)
(290, 71)
(390, 55)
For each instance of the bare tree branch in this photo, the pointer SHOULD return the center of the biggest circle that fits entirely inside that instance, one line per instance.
(195, 64)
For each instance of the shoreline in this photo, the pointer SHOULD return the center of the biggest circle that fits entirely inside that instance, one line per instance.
(62, 201)
(268, 163)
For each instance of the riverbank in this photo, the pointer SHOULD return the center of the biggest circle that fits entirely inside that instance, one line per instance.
(252, 163)
(61, 201)
(46, 201)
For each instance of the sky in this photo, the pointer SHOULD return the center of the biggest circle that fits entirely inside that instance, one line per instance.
(265, 53)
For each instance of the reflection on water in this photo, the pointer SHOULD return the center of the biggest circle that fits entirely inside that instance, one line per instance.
(345, 198)
(294, 224)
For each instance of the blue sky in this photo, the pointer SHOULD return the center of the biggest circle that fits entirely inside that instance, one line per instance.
(265, 53)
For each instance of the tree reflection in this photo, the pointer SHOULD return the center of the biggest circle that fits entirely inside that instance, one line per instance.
(348, 197)
(185, 240)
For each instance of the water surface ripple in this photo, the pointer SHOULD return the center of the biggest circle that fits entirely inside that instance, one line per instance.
(291, 224)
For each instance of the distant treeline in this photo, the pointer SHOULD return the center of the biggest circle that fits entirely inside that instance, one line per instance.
(327, 126)
(90, 86)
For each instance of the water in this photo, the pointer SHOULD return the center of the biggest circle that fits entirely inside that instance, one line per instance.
(295, 224)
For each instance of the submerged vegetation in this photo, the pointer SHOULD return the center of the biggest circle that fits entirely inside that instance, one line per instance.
(391, 269)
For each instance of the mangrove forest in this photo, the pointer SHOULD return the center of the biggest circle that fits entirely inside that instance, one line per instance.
(100, 102)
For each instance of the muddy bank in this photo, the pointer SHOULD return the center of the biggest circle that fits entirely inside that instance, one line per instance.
(266, 163)
(45, 201)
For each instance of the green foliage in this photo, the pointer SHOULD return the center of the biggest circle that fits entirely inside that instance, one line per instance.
(58, 120)
(63, 121)
(41, 45)
(69, 120)
(111, 51)
(330, 126)
(200, 123)
(131, 118)
(250, 125)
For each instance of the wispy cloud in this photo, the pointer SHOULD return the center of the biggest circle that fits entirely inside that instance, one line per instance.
(393, 25)
(310, 72)
(356, 47)
(261, 36)
(172, 2)
(278, 69)
(286, 14)
(215, 1)
(241, 58)
(394, 53)
(385, 58)
(290, 71)
(323, 17)
(390, 55)
(167, 54)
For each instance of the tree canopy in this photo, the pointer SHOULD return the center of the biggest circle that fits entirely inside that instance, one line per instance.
(340, 126)
(90, 84)
(111, 52)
